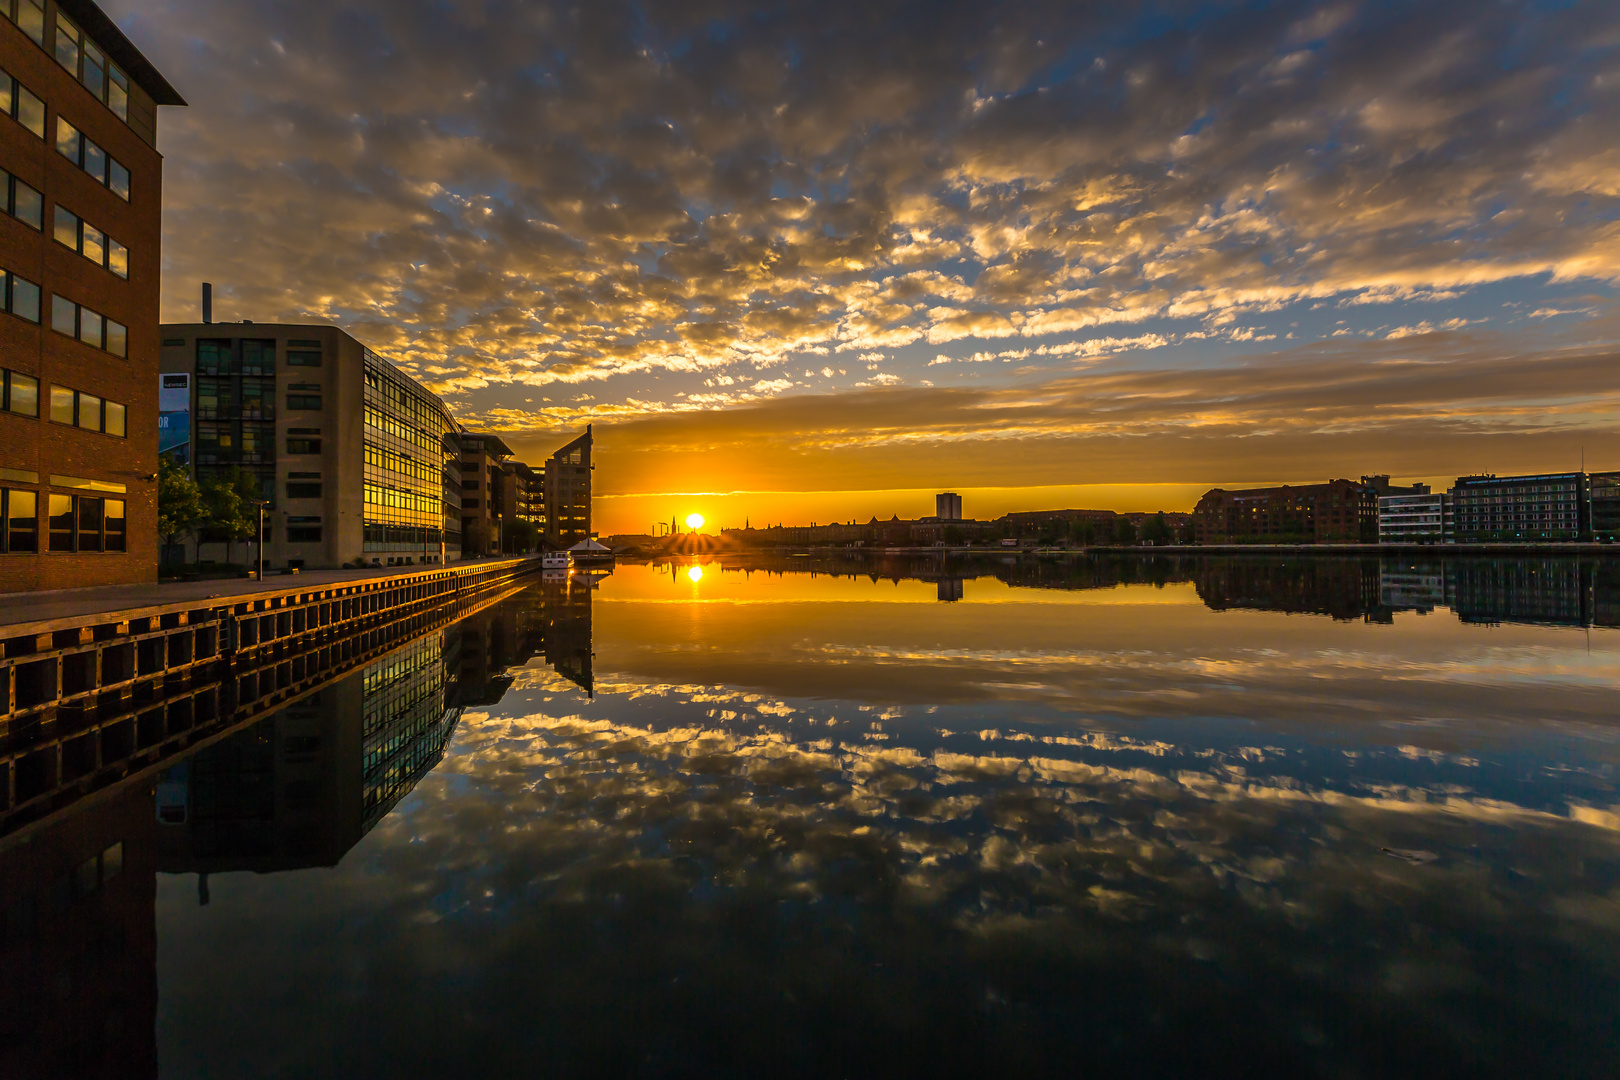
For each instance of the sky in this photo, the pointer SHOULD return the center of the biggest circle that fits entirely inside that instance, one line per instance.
(816, 261)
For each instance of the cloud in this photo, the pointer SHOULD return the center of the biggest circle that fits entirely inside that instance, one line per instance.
(1425, 405)
(542, 194)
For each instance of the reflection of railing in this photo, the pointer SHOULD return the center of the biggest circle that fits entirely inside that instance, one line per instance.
(92, 706)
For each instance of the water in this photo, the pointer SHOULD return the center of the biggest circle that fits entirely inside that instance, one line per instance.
(1174, 817)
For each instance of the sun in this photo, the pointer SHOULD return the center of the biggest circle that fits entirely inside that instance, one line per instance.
(694, 573)
(694, 521)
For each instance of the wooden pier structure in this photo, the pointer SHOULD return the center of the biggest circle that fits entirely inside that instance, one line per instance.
(92, 694)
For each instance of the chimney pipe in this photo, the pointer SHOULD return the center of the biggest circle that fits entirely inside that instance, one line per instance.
(208, 302)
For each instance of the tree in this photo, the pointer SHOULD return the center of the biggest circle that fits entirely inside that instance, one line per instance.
(180, 508)
(519, 535)
(229, 508)
(1156, 530)
(1125, 531)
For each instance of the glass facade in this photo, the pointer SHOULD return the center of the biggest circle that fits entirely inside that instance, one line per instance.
(407, 721)
(236, 410)
(410, 455)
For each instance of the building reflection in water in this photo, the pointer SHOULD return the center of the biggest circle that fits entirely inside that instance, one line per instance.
(1554, 590)
(297, 789)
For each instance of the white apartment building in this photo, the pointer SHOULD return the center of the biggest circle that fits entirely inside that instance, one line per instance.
(1415, 519)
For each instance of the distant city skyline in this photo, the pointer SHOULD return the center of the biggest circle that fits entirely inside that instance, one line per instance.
(811, 249)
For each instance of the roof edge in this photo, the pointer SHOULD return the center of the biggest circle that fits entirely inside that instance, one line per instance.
(93, 21)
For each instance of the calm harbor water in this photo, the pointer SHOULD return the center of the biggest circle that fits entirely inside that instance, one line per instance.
(1166, 817)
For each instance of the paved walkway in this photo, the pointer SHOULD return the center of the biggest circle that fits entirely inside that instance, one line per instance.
(57, 609)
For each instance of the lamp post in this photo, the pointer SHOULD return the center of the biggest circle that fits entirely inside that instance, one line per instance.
(258, 539)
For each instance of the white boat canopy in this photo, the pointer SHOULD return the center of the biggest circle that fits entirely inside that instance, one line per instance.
(590, 547)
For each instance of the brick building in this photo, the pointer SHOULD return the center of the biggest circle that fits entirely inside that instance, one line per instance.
(1337, 512)
(82, 194)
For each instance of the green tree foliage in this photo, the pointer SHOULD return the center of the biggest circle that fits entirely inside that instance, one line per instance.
(519, 536)
(1156, 531)
(1124, 531)
(230, 509)
(180, 507)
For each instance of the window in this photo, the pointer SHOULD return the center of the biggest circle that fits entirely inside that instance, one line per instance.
(84, 523)
(303, 530)
(72, 231)
(88, 326)
(73, 145)
(21, 201)
(113, 516)
(61, 522)
(303, 489)
(87, 63)
(30, 18)
(19, 521)
(303, 358)
(21, 394)
(298, 444)
(19, 103)
(86, 411)
(303, 400)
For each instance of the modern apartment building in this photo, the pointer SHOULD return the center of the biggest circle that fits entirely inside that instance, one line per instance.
(1415, 519)
(1545, 506)
(568, 494)
(81, 190)
(480, 468)
(354, 459)
(498, 491)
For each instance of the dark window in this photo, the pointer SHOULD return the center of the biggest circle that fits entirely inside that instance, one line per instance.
(303, 490)
(301, 445)
(115, 520)
(302, 358)
(215, 357)
(303, 534)
(21, 510)
(61, 522)
(90, 520)
(21, 297)
(296, 402)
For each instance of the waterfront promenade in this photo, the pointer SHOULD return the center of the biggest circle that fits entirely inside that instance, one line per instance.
(57, 609)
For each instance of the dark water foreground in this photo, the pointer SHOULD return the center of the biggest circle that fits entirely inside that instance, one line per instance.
(1184, 817)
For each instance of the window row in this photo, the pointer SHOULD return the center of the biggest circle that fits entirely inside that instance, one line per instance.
(225, 356)
(103, 168)
(303, 485)
(303, 440)
(380, 420)
(86, 62)
(21, 201)
(72, 231)
(303, 353)
(87, 411)
(75, 523)
(302, 396)
(90, 327)
(400, 398)
(303, 530)
(21, 104)
(377, 495)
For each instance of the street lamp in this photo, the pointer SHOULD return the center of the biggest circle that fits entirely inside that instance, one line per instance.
(258, 538)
